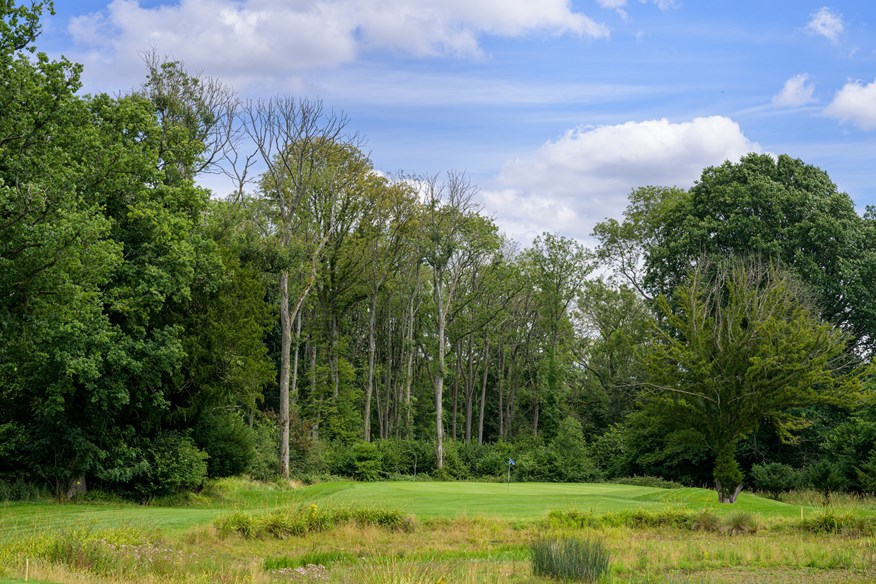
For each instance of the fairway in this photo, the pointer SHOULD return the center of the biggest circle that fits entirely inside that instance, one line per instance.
(528, 500)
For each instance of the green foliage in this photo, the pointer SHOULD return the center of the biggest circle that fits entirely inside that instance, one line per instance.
(825, 476)
(361, 461)
(839, 521)
(570, 558)
(646, 481)
(741, 347)
(229, 443)
(775, 477)
(19, 489)
(175, 464)
(866, 473)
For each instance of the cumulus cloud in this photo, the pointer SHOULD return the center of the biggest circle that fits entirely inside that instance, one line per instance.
(855, 103)
(796, 92)
(826, 23)
(245, 37)
(585, 176)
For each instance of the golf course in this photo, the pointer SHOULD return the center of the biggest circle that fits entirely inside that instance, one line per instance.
(243, 531)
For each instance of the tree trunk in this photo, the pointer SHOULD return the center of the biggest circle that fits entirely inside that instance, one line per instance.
(372, 349)
(285, 350)
(469, 389)
(293, 390)
(387, 386)
(484, 390)
(439, 382)
(457, 376)
(727, 495)
(501, 389)
(409, 366)
(333, 358)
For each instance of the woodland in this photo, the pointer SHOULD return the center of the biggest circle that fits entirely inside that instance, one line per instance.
(324, 319)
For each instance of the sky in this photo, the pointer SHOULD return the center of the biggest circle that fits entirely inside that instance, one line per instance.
(556, 109)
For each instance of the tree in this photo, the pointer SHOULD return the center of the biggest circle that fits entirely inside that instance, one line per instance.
(447, 251)
(302, 146)
(557, 267)
(613, 323)
(741, 346)
(780, 208)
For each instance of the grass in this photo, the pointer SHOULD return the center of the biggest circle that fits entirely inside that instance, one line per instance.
(240, 531)
(570, 558)
(533, 500)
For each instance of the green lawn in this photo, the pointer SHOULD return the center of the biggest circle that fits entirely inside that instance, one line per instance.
(527, 500)
(422, 499)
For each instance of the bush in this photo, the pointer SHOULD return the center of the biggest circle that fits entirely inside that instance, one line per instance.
(824, 476)
(265, 463)
(304, 519)
(570, 558)
(775, 477)
(18, 489)
(866, 473)
(838, 521)
(175, 464)
(739, 523)
(406, 457)
(228, 441)
(645, 481)
(361, 461)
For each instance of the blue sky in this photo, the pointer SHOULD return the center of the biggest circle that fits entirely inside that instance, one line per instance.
(556, 109)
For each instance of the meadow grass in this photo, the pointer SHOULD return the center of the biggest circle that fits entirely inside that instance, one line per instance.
(463, 532)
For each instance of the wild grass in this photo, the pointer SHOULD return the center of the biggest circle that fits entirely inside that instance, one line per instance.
(301, 520)
(570, 558)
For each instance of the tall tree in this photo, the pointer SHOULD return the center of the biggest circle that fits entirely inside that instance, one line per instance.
(446, 250)
(742, 346)
(298, 141)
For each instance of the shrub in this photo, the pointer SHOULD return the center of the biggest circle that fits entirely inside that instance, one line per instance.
(570, 558)
(775, 477)
(706, 521)
(266, 450)
(18, 489)
(646, 481)
(866, 473)
(228, 441)
(838, 521)
(739, 523)
(175, 464)
(824, 476)
(301, 520)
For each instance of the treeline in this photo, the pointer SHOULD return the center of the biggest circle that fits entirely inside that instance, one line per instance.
(326, 319)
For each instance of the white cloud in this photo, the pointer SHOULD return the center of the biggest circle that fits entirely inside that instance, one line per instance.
(585, 176)
(250, 38)
(855, 103)
(826, 23)
(620, 5)
(796, 92)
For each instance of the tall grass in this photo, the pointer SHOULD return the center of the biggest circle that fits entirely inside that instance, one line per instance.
(570, 558)
(304, 519)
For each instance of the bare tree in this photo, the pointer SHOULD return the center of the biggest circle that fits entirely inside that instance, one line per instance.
(297, 141)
